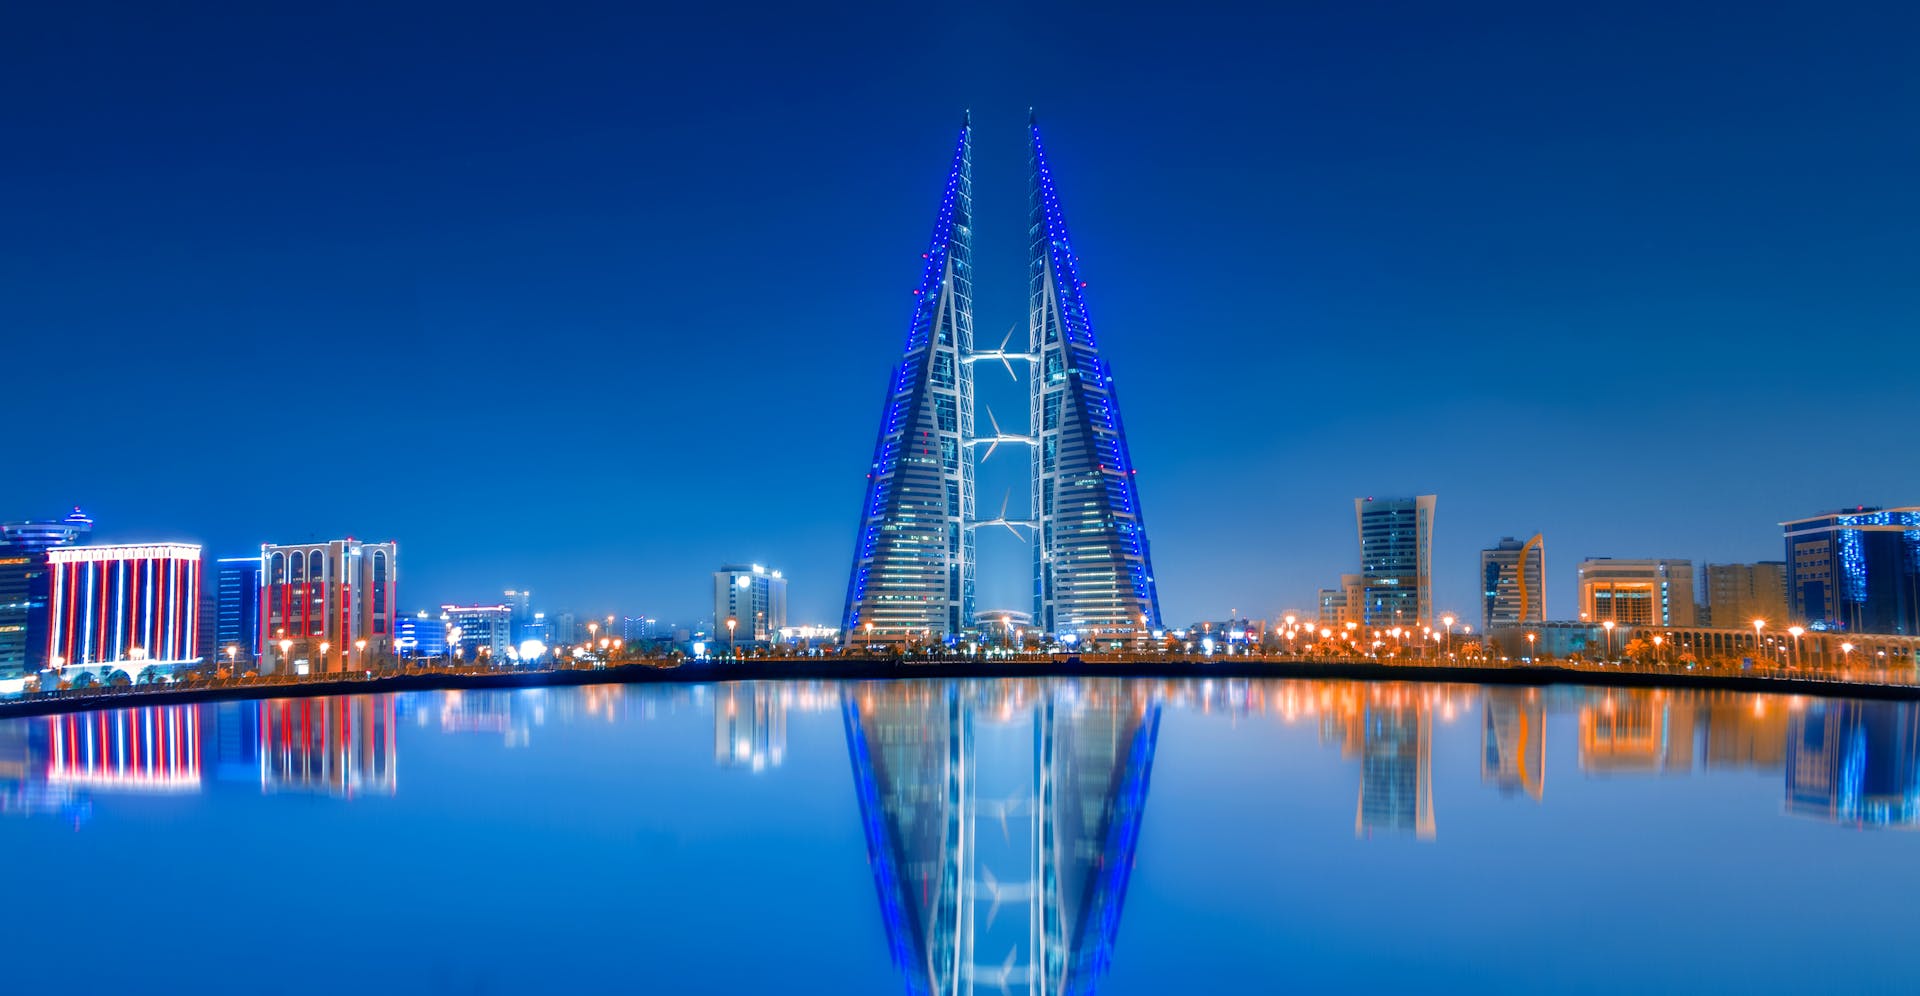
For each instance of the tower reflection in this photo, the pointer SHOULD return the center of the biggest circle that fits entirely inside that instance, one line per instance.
(1001, 820)
(1513, 741)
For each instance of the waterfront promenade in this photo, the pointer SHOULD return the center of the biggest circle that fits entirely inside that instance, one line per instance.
(1877, 683)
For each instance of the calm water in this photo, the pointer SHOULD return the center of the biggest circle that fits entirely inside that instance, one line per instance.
(1025, 837)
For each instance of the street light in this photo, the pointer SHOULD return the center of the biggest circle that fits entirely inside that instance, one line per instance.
(360, 646)
(1846, 654)
(1757, 625)
(1529, 648)
(732, 648)
(1795, 631)
(1656, 649)
(1447, 644)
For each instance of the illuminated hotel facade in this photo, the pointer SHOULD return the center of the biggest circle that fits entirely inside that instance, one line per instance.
(326, 605)
(123, 607)
(913, 574)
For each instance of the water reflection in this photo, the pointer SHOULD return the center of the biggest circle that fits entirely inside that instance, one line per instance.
(1513, 741)
(1001, 820)
(1855, 762)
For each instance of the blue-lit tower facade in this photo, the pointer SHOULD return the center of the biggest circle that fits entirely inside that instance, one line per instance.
(913, 574)
(1092, 574)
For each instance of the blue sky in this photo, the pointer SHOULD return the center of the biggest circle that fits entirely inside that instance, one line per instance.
(592, 301)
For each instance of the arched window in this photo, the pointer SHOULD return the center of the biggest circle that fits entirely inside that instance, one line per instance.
(316, 567)
(277, 569)
(299, 568)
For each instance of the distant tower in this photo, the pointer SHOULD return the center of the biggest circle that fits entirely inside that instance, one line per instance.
(1513, 583)
(1091, 567)
(912, 574)
(1396, 560)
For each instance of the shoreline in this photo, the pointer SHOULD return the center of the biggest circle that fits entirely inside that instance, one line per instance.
(892, 669)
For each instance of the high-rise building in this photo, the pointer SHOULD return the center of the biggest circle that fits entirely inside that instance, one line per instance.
(912, 573)
(24, 587)
(1737, 594)
(1092, 572)
(1856, 570)
(1396, 560)
(236, 624)
(913, 565)
(1513, 582)
(123, 607)
(754, 597)
(327, 606)
(472, 629)
(566, 630)
(1637, 592)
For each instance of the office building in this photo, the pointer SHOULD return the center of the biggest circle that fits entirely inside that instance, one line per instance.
(1857, 570)
(566, 630)
(754, 597)
(1737, 594)
(1513, 583)
(475, 631)
(236, 623)
(327, 606)
(24, 587)
(1637, 592)
(123, 607)
(423, 634)
(1396, 560)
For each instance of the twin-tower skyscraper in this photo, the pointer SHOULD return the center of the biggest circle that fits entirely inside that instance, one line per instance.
(913, 559)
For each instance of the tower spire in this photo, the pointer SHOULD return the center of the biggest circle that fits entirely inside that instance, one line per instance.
(1093, 575)
(912, 575)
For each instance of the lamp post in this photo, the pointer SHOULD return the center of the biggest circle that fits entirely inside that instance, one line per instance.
(360, 647)
(1608, 626)
(286, 648)
(1846, 655)
(1446, 645)
(1795, 631)
(732, 647)
(1656, 649)
(1530, 648)
(1757, 625)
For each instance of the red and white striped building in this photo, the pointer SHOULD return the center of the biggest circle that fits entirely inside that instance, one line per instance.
(132, 605)
(328, 604)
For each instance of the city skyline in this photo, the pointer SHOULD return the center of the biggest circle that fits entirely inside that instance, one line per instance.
(1283, 292)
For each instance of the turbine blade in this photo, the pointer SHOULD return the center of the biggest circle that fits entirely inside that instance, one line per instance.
(994, 422)
(1009, 365)
(990, 448)
(1008, 337)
